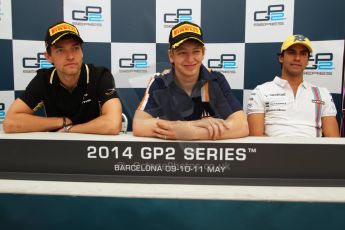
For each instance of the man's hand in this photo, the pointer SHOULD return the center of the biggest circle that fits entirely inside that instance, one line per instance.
(175, 130)
(234, 126)
(216, 127)
(189, 130)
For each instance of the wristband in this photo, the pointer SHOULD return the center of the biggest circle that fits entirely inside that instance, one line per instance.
(67, 128)
(63, 122)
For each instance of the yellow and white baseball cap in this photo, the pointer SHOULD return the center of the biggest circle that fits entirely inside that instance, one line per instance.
(296, 39)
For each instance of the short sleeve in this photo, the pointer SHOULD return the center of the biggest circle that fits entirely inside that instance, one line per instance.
(107, 89)
(148, 103)
(256, 103)
(33, 94)
(232, 104)
(329, 108)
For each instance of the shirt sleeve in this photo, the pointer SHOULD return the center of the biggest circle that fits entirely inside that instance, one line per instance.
(107, 89)
(33, 94)
(256, 103)
(329, 108)
(233, 103)
(148, 103)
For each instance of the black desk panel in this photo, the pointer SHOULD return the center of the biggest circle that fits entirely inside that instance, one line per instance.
(135, 160)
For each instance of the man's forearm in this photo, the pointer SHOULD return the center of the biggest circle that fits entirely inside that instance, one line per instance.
(236, 129)
(99, 125)
(23, 122)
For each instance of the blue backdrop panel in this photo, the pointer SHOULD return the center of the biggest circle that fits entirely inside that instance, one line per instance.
(135, 21)
(6, 65)
(261, 63)
(162, 60)
(223, 21)
(31, 19)
(320, 20)
(98, 54)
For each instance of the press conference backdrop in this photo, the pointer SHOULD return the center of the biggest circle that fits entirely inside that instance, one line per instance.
(130, 38)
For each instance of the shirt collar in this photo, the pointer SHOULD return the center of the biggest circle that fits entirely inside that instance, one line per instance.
(284, 83)
(83, 80)
(204, 75)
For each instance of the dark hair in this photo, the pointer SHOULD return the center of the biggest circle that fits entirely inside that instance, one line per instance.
(282, 54)
(67, 36)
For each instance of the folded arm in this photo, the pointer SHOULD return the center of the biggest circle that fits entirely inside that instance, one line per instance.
(109, 122)
(20, 119)
(234, 126)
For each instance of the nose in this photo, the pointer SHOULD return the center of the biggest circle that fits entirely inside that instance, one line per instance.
(69, 54)
(297, 56)
(190, 58)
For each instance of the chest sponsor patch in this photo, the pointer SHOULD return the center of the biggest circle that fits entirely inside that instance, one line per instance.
(110, 92)
(319, 102)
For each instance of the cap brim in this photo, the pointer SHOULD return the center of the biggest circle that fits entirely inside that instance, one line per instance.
(185, 39)
(300, 43)
(65, 34)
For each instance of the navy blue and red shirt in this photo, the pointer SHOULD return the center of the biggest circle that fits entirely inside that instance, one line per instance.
(211, 96)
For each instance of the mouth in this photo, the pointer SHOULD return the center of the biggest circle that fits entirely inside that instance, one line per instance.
(70, 64)
(190, 66)
(296, 65)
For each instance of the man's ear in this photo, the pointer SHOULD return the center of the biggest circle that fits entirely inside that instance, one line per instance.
(170, 55)
(281, 58)
(48, 57)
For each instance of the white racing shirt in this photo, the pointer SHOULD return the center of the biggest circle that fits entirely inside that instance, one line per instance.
(287, 115)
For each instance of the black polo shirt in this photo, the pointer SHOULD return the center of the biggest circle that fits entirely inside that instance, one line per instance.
(95, 86)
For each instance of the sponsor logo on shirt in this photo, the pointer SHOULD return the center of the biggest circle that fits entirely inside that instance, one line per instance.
(272, 107)
(85, 99)
(277, 94)
(110, 92)
(278, 103)
(320, 102)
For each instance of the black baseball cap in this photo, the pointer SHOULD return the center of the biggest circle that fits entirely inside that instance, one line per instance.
(184, 31)
(59, 30)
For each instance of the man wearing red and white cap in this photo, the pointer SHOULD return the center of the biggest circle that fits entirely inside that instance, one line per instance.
(76, 97)
(288, 105)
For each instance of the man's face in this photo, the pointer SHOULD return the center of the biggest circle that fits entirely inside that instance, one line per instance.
(294, 60)
(187, 58)
(67, 56)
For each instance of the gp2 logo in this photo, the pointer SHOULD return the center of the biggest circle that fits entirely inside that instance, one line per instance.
(91, 14)
(322, 61)
(181, 15)
(137, 61)
(2, 111)
(36, 62)
(273, 13)
(226, 61)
